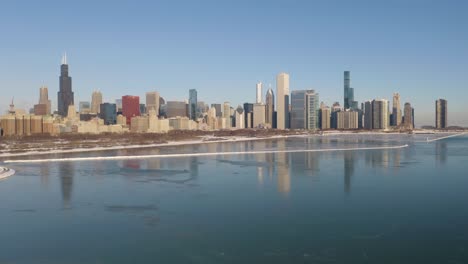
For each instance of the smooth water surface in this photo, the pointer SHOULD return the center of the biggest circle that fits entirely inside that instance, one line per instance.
(406, 205)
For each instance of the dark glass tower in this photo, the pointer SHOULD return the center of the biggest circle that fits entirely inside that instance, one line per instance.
(349, 102)
(193, 104)
(65, 95)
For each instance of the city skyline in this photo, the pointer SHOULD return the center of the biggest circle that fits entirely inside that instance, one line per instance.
(420, 66)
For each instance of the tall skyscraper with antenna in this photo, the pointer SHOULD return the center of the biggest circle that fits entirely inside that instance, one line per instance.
(65, 95)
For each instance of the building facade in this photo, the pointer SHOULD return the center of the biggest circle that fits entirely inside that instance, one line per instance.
(193, 104)
(441, 114)
(130, 107)
(282, 101)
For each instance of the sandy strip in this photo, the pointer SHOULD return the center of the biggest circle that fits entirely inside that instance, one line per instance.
(200, 154)
(5, 173)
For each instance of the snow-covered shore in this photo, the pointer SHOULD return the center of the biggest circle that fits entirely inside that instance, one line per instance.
(5, 173)
(203, 140)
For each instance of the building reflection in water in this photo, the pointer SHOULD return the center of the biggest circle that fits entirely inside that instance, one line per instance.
(45, 173)
(282, 169)
(66, 173)
(441, 152)
(349, 160)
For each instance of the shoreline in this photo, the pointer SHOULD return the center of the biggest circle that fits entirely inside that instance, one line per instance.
(67, 146)
(5, 173)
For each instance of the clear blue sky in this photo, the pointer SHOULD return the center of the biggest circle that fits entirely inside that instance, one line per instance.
(223, 48)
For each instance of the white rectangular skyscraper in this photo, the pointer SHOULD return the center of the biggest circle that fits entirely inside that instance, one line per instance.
(282, 103)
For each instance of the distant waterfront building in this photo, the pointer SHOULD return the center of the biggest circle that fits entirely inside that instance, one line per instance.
(269, 107)
(118, 103)
(304, 109)
(348, 119)
(368, 115)
(193, 104)
(219, 111)
(408, 120)
(396, 110)
(152, 102)
(380, 114)
(176, 109)
(240, 122)
(441, 114)
(227, 114)
(108, 112)
(248, 112)
(130, 107)
(258, 115)
(325, 118)
(142, 109)
(65, 95)
(282, 100)
(259, 93)
(96, 101)
(44, 107)
(139, 124)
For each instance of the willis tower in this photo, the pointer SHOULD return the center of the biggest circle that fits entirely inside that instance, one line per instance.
(65, 94)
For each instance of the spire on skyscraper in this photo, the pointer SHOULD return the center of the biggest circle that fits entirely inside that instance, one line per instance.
(64, 59)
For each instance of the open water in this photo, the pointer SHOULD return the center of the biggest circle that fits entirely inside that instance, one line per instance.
(395, 205)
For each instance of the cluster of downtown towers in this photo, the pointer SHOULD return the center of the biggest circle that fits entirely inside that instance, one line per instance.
(299, 109)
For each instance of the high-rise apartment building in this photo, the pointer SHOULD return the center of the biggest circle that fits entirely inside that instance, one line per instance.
(193, 104)
(282, 100)
(441, 114)
(219, 111)
(152, 102)
(368, 115)
(325, 118)
(96, 101)
(65, 95)
(258, 115)
(227, 114)
(347, 119)
(304, 109)
(380, 114)
(408, 120)
(269, 107)
(130, 107)
(259, 93)
(396, 110)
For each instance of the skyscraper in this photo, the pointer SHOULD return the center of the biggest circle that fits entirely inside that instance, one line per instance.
(396, 110)
(96, 101)
(269, 107)
(380, 114)
(44, 105)
(44, 99)
(304, 109)
(130, 107)
(193, 104)
(65, 94)
(441, 113)
(408, 122)
(349, 102)
(108, 112)
(227, 114)
(152, 102)
(368, 115)
(259, 93)
(282, 100)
